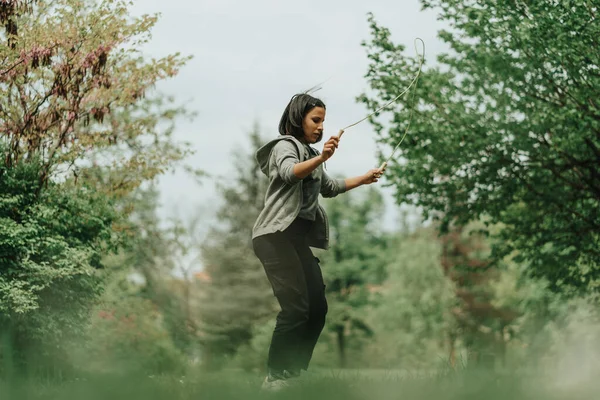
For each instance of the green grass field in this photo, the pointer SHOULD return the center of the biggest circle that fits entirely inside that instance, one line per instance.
(316, 385)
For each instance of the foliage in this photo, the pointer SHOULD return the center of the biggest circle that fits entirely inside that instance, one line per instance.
(506, 128)
(79, 127)
(129, 335)
(354, 266)
(252, 356)
(480, 322)
(51, 245)
(155, 252)
(142, 272)
(72, 93)
(413, 320)
(238, 295)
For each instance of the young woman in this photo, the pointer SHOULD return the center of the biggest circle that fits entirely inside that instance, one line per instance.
(290, 223)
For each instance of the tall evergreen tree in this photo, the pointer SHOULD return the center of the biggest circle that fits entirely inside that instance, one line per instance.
(238, 295)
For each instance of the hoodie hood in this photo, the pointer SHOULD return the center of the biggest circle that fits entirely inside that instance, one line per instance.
(263, 154)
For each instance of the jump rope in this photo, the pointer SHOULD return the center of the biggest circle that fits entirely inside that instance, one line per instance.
(413, 83)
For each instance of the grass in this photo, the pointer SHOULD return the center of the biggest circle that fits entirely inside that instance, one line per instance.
(330, 385)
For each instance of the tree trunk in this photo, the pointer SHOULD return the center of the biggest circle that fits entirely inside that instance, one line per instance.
(452, 352)
(341, 344)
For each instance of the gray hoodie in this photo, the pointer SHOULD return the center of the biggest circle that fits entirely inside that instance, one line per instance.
(283, 199)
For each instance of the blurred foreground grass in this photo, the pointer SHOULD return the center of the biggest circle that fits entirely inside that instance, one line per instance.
(316, 385)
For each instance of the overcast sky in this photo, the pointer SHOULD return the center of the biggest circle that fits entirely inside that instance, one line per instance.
(250, 57)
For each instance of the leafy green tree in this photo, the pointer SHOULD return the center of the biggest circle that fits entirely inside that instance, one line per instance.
(481, 321)
(152, 251)
(540, 314)
(51, 246)
(129, 336)
(150, 294)
(506, 128)
(353, 266)
(76, 131)
(238, 295)
(413, 321)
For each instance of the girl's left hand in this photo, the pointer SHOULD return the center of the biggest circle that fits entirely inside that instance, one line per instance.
(372, 176)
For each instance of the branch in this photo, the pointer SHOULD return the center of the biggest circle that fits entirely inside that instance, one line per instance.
(46, 167)
(11, 68)
(592, 223)
(572, 163)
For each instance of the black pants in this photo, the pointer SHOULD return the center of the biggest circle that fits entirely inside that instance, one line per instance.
(297, 282)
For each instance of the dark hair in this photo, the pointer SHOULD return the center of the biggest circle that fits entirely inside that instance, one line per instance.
(294, 113)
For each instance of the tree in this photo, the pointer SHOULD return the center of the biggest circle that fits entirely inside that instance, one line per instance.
(154, 252)
(72, 93)
(51, 246)
(480, 322)
(413, 320)
(76, 132)
(353, 266)
(238, 295)
(506, 128)
(140, 322)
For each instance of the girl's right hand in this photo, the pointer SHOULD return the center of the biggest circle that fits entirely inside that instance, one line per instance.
(329, 148)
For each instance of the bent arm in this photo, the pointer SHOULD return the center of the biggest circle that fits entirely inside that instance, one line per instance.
(288, 164)
(303, 169)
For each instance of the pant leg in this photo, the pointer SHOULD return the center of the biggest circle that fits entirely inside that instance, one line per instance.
(297, 234)
(317, 305)
(286, 274)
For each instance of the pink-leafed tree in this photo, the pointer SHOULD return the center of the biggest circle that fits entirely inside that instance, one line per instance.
(74, 90)
(80, 130)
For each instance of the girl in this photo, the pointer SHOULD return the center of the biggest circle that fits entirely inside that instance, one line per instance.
(290, 223)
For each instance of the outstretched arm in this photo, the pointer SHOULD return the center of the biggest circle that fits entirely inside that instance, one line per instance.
(371, 176)
(333, 187)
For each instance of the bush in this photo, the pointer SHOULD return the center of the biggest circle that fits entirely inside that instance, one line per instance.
(51, 240)
(129, 336)
(252, 357)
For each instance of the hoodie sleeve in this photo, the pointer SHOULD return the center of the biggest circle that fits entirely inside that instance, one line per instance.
(332, 187)
(285, 156)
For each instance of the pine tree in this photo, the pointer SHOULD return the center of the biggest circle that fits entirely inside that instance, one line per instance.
(238, 295)
(353, 266)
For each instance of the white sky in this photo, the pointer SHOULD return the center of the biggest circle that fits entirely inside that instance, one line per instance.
(250, 57)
